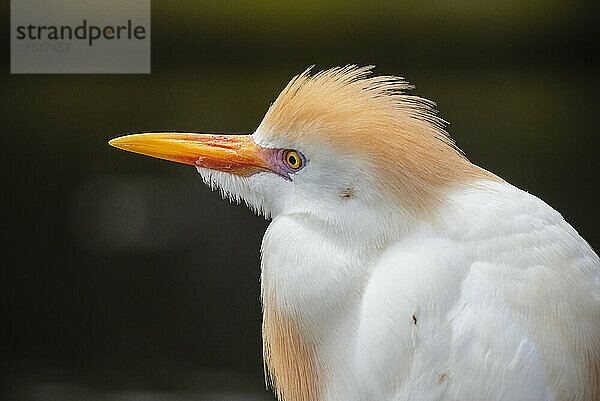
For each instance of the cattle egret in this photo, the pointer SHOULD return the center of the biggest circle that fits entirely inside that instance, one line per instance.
(394, 268)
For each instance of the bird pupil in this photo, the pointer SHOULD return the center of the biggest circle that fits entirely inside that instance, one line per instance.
(292, 160)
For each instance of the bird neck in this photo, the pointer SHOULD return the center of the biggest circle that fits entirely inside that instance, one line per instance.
(307, 306)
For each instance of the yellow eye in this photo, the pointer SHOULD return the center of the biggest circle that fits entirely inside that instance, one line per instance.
(293, 159)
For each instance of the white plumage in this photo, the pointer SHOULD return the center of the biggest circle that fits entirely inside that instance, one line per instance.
(497, 300)
(394, 269)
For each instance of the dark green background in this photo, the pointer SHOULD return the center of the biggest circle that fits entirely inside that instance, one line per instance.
(123, 277)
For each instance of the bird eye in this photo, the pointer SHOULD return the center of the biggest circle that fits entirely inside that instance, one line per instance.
(293, 159)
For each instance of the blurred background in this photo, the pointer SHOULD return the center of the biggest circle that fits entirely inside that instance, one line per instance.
(124, 278)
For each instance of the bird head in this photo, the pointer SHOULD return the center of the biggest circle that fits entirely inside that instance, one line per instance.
(334, 146)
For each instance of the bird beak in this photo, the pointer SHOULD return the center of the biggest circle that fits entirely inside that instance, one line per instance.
(236, 154)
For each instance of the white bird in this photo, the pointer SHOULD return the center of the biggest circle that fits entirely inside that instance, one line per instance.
(394, 269)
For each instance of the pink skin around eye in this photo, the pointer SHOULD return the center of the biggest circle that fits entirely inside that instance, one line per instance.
(276, 158)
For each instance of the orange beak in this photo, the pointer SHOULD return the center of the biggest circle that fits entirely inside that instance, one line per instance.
(235, 154)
